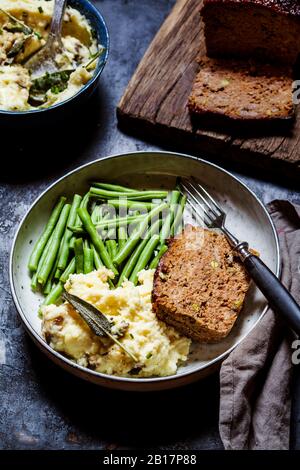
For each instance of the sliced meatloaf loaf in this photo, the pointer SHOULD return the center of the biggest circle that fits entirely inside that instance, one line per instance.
(199, 285)
(242, 90)
(266, 29)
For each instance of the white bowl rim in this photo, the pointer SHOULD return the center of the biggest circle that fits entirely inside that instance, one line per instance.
(114, 378)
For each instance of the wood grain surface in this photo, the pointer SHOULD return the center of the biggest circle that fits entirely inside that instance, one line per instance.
(155, 102)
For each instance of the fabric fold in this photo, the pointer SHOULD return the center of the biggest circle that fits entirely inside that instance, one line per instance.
(255, 380)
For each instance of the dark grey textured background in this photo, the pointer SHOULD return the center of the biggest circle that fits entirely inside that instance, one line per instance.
(41, 407)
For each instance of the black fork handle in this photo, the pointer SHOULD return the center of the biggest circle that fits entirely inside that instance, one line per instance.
(279, 298)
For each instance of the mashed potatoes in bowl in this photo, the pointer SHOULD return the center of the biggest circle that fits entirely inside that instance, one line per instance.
(159, 348)
(24, 28)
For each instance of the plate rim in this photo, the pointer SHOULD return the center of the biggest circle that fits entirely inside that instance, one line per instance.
(106, 377)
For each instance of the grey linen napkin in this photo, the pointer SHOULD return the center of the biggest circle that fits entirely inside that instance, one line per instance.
(255, 401)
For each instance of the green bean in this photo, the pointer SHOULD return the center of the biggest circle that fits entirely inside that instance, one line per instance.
(135, 213)
(137, 195)
(93, 206)
(132, 241)
(179, 216)
(97, 260)
(58, 272)
(128, 204)
(77, 231)
(166, 228)
(42, 241)
(48, 287)
(129, 266)
(109, 223)
(116, 222)
(95, 239)
(137, 234)
(121, 237)
(88, 258)
(79, 256)
(111, 234)
(34, 282)
(53, 249)
(96, 215)
(103, 233)
(84, 203)
(44, 256)
(113, 248)
(107, 246)
(98, 264)
(144, 258)
(54, 295)
(114, 187)
(49, 283)
(156, 259)
(72, 242)
(85, 200)
(103, 217)
(65, 249)
(131, 262)
(153, 229)
(70, 269)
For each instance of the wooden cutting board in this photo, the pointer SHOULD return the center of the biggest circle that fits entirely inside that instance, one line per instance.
(155, 101)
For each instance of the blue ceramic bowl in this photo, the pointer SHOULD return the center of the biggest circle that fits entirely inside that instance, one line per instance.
(59, 111)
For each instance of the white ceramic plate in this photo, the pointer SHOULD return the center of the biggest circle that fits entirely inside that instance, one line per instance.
(247, 219)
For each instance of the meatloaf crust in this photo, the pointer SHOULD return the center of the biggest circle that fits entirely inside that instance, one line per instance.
(287, 7)
(199, 285)
(264, 29)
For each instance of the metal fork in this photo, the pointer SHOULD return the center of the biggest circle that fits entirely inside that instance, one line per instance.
(43, 61)
(210, 212)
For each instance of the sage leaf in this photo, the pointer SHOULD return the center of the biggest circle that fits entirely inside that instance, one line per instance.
(22, 26)
(96, 320)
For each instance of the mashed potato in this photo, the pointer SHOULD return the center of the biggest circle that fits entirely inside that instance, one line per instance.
(14, 87)
(17, 45)
(159, 348)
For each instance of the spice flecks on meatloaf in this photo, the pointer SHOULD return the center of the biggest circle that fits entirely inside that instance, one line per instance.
(200, 291)
(265, 29)
(242, 90)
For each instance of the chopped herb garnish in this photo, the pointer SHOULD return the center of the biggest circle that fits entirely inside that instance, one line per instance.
(17, 47)
(56, 80)
(55, 90)
(149, 355)
(22, 27)
(25, 29)
(14, 28)
(131, 335)
(95, 57)
(40, 10)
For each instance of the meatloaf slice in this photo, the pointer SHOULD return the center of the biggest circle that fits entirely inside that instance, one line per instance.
(199, 285)
(242, 90)
(265, 29)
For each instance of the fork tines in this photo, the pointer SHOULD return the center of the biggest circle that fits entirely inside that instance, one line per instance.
(202, 202)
